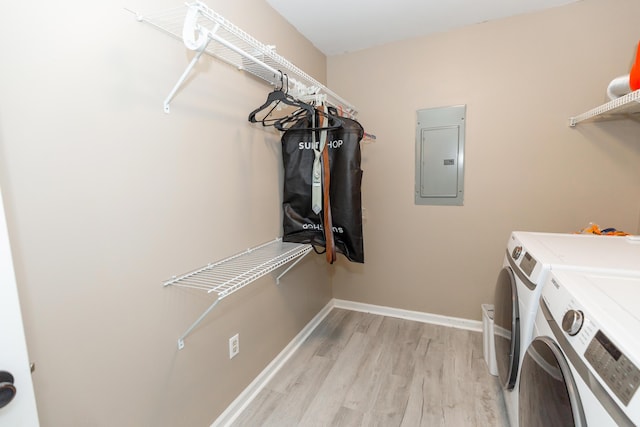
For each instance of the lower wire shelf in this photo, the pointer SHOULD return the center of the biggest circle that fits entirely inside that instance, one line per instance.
(231, 274)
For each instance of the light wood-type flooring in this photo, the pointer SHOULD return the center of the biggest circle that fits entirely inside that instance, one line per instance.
(361, 369)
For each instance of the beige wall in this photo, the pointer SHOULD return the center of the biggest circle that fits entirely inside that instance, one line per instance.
(107, 196)
(521, 78)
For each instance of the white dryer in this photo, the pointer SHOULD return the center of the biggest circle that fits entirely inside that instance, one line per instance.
(529, 259)
(583, 365)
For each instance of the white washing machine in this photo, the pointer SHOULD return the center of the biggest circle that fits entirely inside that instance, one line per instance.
(583, 365)
(528, 261)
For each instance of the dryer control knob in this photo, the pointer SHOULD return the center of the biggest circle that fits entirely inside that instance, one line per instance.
(515, 254)
(572, 322)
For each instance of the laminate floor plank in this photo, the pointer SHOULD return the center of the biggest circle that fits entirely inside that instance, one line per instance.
(391, 402)
(361, 369)
(425, 406)
(330, 396)
(346, 417)
(404, 346)
(485, 408)
(300, 395)
(327, 334)
(366, 384)
(369, 324)
(332, 341)
(260, 408)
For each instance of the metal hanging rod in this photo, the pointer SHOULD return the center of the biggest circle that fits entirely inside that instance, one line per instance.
(233, 273)
(198, 26)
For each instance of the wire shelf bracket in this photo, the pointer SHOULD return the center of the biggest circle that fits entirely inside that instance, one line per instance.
(198, 26)
(233, 273)
(625, 105)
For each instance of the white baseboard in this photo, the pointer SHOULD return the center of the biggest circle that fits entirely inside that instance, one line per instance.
(418, 316)
(248, 394)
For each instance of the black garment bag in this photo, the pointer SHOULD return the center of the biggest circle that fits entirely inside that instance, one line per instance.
(301, 224)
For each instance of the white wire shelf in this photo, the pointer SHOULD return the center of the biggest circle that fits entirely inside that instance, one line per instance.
(231, 274)
(205, 31)
(625, 105)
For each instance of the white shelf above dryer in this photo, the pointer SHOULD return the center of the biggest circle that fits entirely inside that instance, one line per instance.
(233, 273)
(628, 104)
(205, 31)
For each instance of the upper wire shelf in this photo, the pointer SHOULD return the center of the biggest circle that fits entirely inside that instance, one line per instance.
(206, 31)
(627, 104)
(235, 272)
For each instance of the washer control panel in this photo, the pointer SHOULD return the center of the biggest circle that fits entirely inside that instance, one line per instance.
(617, 371)
(528, 263)
(605, 344)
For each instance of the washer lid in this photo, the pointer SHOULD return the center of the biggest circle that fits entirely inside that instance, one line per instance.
(622, 291)
(614, 299)
(606, 253)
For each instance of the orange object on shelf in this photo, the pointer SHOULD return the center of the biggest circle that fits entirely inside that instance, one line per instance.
(634, 75)
(595, 229)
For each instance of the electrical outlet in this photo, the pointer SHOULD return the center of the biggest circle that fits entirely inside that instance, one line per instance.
(234, 346)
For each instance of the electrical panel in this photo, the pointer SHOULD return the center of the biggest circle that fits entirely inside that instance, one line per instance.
(440, 134)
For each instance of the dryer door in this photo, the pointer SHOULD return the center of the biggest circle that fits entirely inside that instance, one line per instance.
(506, 328)
(548, 394)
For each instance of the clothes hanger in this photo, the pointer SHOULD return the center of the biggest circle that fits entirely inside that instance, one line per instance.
(279, 96)
(289, 120)
(266, 121)
(331, 113)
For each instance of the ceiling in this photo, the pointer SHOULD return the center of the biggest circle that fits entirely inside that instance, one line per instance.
(341, 26)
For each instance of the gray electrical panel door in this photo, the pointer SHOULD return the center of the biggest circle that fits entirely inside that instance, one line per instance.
(440, 156)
